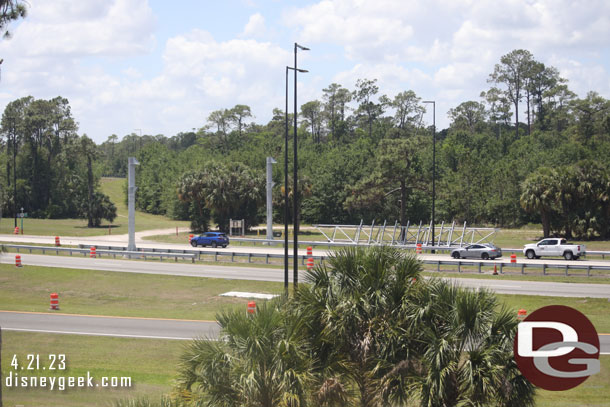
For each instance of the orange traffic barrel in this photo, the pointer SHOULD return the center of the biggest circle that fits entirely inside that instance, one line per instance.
(251, 307)
(309, 251)
(16, 230)
(54, 301)
(92, 252)
(521, 314)
(418, 248)
(190, 238)
(310, 263)
(513, 258)
(57, 241)
(18, 260)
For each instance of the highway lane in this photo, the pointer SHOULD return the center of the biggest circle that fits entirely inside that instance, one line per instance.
(150, 328)
(129, 327)
(150, 267)
(502, 284)
(121, 240)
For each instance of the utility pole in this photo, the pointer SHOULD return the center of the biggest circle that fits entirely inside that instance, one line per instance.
(270, 162)
(295, 184)
(0, 364)
(131, 198)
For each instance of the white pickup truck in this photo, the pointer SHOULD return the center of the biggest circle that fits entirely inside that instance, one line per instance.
(554, 247)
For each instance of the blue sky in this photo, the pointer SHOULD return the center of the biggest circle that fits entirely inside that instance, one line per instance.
(164, 66)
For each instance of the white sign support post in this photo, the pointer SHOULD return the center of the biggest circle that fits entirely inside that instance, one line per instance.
(270, 183)
(131, 201)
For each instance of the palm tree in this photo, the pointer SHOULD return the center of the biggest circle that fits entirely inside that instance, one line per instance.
(352, 309)
(366, 331)
(467, 345)
(376, 327)
(259, 360)
(191, 189)
(537, 196)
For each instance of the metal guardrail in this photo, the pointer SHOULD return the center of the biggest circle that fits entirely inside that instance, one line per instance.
(523, 266)
(218, 255)
(442, 249)
(233, 255)
(201, 254)
(459, 263)
(101, 253)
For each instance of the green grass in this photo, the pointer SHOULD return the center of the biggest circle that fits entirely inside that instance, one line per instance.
(113, 187)
(151, 364)
(121, 294)
(594, 392)
(596, 309)
(149, 295)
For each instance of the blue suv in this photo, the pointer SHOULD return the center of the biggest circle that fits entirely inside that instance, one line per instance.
(213, 239)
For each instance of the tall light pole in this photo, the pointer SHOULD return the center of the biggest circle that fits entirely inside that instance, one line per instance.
(270, 184)
(131, 204)
(295, 186)
(433, 162)
(14, 131)
(286, 210)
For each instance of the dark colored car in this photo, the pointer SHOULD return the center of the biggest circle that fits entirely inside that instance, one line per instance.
(477, 251)
(213, 239)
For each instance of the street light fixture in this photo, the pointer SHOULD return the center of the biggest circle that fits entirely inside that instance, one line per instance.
(286, 210)
(433, 162)
(295, 190)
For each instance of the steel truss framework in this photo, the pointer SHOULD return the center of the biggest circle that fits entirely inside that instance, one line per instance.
(411, 234)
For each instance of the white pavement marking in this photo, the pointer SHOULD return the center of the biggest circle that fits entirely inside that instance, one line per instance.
(501, 286)
(241, 294)
(94, 334)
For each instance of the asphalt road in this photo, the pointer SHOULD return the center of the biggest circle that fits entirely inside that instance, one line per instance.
(121, 240)
(108, 326)
(502, 285)
(129, 327)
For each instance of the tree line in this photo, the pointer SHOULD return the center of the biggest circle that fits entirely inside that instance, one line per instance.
(366, 156)
(50, 171)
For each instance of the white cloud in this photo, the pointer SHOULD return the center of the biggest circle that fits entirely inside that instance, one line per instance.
(583, 77)
(370, 30)
(94, 27)
(444, 50)
(199, 75)
(457, 42)
(255, 28)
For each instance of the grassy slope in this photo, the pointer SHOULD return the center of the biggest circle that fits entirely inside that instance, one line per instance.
(148, 295)
(594, 392)
(151, 364)
(113, 187)
(121, 294)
